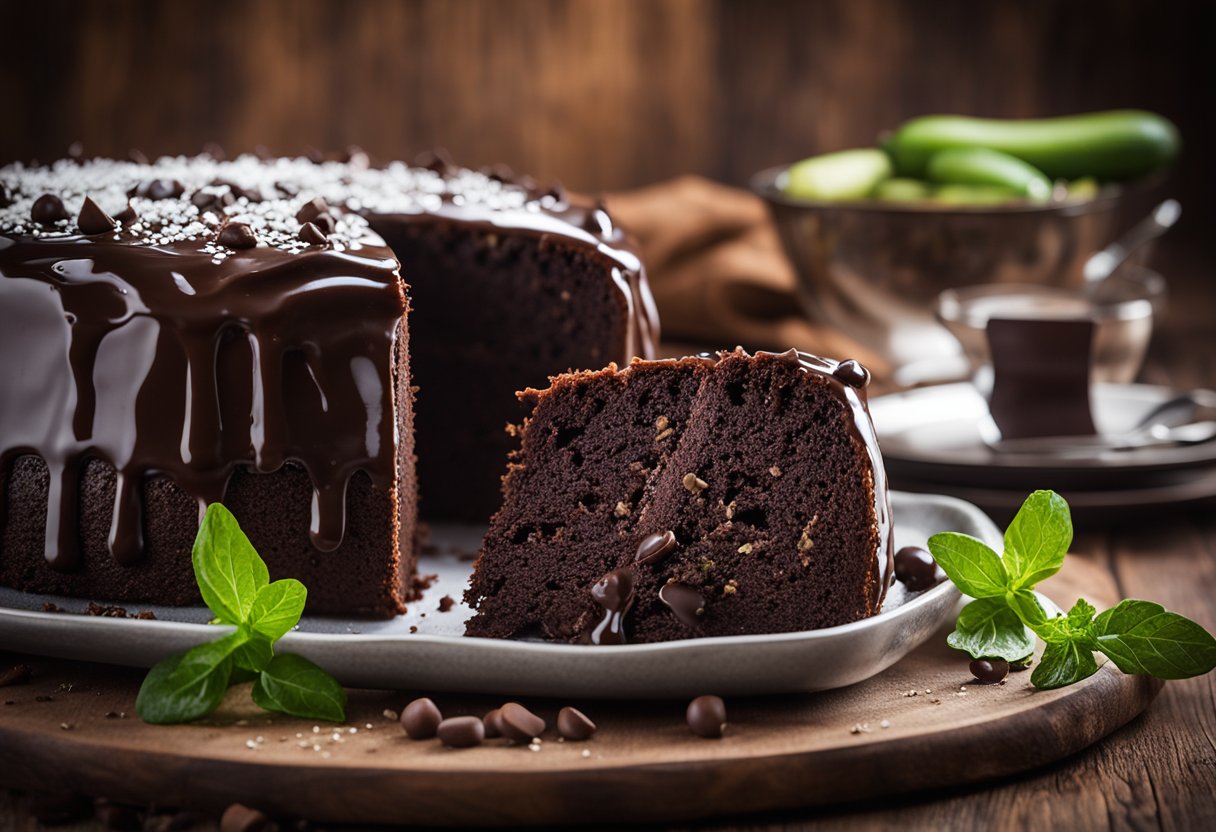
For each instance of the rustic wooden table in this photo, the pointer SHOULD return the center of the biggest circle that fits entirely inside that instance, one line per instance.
(1159, 772)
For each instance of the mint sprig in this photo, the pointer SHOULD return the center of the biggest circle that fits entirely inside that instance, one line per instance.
(236, 586)
(1007, 614)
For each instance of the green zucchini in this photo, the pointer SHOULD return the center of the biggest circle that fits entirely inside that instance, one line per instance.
(981, 166)
(902, 190)
(965, 196)
(1113, 145)
(846, 174)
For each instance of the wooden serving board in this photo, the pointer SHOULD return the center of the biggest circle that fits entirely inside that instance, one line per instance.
(642, 765)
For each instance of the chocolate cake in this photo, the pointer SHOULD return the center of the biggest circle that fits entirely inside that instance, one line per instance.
(197, 330)
(705, 496)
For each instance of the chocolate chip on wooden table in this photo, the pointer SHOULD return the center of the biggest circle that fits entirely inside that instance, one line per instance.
(706, 716)
(461, 732)
(573, 724)
(420, 719)
(493, 723)
(518, 723)
(989, 671)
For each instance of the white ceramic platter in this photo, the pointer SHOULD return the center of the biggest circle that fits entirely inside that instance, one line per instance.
(385, 654)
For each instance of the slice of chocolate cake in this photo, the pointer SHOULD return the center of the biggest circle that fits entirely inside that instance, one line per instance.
(698, 497)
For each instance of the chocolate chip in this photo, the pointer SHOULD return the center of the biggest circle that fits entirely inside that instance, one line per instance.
(573, 724)
(16, 675)
(93, 220)
(212, 200)
(707, 716)
(309, 233)
(325, 222)
(686, 602)
(157, 189)
(989, 671)
(239, 818)
(48, 209)
(126, 216)
(420, 719)
(312, 209)
(237, 235)
(518, 723)
(655, 547)
(915, 568)
(852, 373)
(461, 732)
(493, 723)
(116, 816)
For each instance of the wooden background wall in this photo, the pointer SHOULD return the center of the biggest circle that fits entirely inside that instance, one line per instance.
(599, 93)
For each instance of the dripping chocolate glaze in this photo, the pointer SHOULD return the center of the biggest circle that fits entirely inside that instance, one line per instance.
(129, 354)
(163, 353)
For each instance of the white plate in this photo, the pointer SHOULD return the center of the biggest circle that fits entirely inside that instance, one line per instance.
(384, 654)
(932, 434)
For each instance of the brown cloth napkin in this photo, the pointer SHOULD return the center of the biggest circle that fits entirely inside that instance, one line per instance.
(718, 272)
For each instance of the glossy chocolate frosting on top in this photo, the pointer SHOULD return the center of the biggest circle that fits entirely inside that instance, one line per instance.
(192, 316)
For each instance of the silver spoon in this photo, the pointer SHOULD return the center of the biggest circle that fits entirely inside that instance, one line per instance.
(1104, 263)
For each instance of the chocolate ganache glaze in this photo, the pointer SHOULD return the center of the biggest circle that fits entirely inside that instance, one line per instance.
(195, 317)
(113, 340)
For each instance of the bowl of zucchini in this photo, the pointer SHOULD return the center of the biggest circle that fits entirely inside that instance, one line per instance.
(945, 202)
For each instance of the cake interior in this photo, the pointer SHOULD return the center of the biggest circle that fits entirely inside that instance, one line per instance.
(752, 462)
(493, 313)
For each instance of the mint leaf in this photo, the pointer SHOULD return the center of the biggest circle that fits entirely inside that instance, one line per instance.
(1076, 626)
(227, 567)
(1142, 637)
(186, 687)
(1038, 539)
(293, 685)
(1063, 663)
(971, 565)
(254, 653)
(277, 608)
(989, 629)
(1025, 603)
